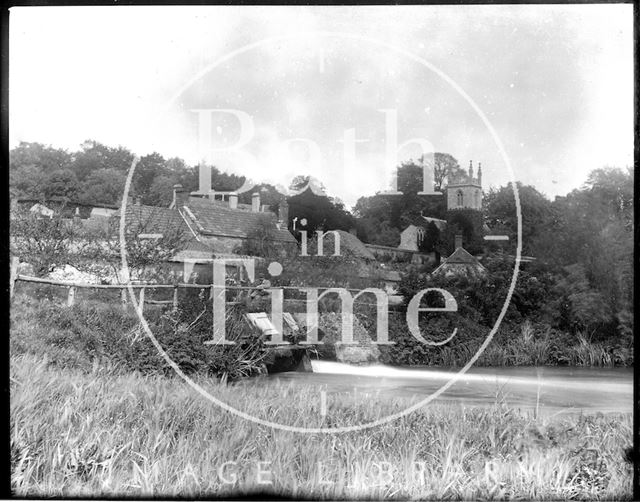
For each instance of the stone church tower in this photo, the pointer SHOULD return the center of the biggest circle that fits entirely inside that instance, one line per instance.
(465, 192)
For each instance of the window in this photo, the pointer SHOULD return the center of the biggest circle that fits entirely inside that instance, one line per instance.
(460, 197)
(477, 197)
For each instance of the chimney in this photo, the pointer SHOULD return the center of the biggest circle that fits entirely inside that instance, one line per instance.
(471, 169)
(255, 202)
(283, 213)
(480, 173)
(180, 196)
(204, 178)
(458, 241)
(233, 200)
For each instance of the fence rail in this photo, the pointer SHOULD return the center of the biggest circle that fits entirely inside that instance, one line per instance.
(142, 287)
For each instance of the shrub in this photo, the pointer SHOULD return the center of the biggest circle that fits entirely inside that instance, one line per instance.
(91, 333)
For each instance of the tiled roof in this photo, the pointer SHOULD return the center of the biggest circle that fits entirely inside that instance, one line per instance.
(349, 243)
(214, 218)
(460, 262)
(153, 220)
(461, 255)
(196, 245)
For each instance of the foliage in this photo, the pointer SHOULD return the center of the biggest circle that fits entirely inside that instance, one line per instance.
(103, 186)
(321, 213)
(262, 242)
(465, 222)
(45, 242)
(80, 435)
(92, 333)
(96, 173)
(147, 255)
(396, 212)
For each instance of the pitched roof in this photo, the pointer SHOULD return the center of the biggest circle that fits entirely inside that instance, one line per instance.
(215, 218)
(461, 255)
(460, 262)
(153, 219)
(349, 243)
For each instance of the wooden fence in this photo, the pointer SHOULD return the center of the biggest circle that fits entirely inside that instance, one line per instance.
(74, 286)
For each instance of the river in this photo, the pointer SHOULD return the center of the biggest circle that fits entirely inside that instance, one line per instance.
(550, 389)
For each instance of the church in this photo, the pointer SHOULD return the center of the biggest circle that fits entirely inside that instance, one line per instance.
(464, 199)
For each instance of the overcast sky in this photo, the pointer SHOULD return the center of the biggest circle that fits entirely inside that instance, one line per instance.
(555, 82)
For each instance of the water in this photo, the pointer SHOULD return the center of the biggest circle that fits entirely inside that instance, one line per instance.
(550, 389)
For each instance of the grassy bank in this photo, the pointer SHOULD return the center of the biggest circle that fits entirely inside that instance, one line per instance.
(103, 332)
(92, 433)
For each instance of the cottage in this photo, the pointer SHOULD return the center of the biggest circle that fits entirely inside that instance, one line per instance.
(460, 263)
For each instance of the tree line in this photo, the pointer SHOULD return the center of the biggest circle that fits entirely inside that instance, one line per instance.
(582, 243)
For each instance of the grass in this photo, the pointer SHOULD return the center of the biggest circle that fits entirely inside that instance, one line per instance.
(84, 427)
(81, 434)
(530, 347)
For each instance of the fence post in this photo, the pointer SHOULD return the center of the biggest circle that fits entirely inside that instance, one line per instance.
(175, 298)
(141, 302)
(123, 297)
(15, 261)
(71, 299)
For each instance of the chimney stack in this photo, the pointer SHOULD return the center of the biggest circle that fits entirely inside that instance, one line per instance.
(471, 169)
(458, 241)
(480, 173)
(233, 200)
(255, 202)
(283, 213)
(180, 196)
(204, 178)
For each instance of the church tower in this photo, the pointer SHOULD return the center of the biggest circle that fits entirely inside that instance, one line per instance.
(465, 192)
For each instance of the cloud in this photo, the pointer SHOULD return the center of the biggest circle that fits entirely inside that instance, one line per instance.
(555, 82)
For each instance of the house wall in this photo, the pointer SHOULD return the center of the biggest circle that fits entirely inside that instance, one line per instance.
(222, 244)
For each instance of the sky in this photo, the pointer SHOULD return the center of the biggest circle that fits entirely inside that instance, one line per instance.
(272, 92)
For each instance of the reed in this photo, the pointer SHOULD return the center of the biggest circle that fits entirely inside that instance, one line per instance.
(78, 433)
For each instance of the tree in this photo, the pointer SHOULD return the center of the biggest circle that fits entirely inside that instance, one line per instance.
(269, 196)
(150, 243)
(539, 218)
(301, 180)
(103, 186)
(44, 242)
(27, 181)
(431, 241)
(160, 193)
(31, 165)
(321, 212)
(93, 156)
(148, 168)
(61, 183)
(40, 156)
(445, 167)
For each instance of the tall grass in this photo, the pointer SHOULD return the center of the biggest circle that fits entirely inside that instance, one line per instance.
(92, 433)
(531, 347)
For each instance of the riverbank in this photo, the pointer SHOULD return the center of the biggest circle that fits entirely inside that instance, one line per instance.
(102, 331)
(87, 434)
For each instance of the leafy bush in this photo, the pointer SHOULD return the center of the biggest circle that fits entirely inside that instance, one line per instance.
(90, 333)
